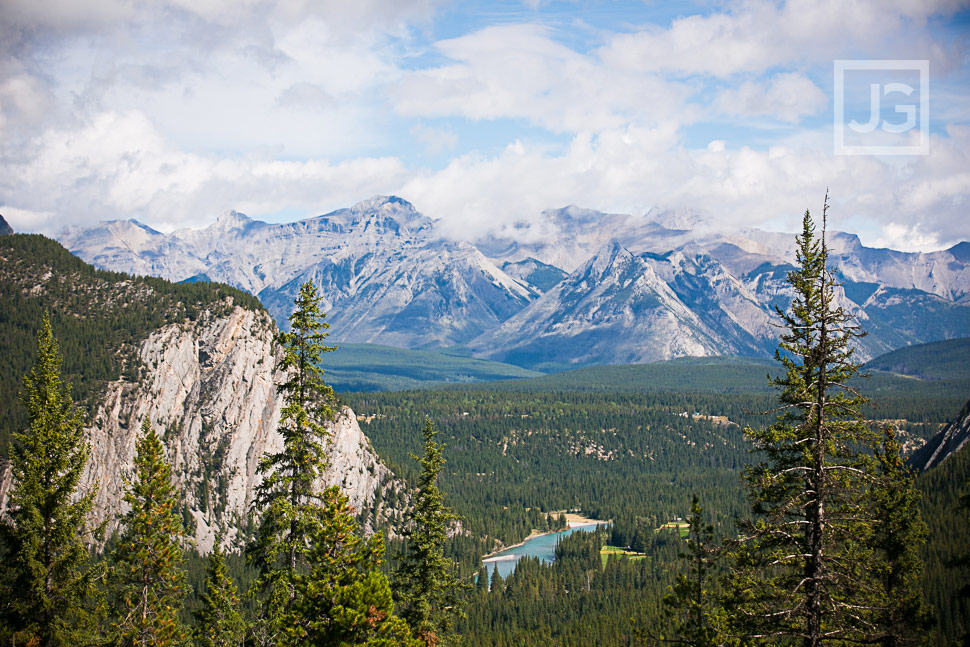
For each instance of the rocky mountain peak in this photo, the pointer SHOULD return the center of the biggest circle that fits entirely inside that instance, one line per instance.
(231, 219)
(5, 229)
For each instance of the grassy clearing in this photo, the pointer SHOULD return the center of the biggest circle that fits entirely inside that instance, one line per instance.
(607, 551)
(681, 526)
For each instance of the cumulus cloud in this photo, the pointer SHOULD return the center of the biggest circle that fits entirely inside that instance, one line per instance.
(759, 35)
(520, 71)
(786, 97)
(119, 166)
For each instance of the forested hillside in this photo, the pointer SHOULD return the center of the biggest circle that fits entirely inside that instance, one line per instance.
(100, 317)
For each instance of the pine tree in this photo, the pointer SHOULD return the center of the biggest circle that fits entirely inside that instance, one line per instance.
(426, 580)
(219, 622)
(692, 613)
(321, 583)
(901, 616)
(148, 577)
(290, 509)
(47, 583)
(348, 598)
(801, 570)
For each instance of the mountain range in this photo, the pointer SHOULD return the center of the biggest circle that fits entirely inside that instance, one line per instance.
(577, 287)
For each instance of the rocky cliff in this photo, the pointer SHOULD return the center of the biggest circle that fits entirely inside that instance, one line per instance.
(209, 387)
(949, 441)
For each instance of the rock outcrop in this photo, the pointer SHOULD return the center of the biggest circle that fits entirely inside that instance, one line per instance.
(209, 388)
(949, 441)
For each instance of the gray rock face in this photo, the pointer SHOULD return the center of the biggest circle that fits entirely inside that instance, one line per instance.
(209, 389)
(949, 441)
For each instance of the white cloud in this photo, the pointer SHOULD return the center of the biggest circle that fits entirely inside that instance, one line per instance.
(119, 166)
(785, 97)
(520, 71)
(759, 35)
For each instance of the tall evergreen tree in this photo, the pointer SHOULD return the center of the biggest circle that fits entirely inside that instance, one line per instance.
(427, 583)
(321, 583)
(901, 616)
(801, 571)
(290, 509)
(219, 622)
(148, 577)
(47, 581)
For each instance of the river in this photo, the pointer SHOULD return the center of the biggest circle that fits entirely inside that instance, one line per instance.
(541, 546)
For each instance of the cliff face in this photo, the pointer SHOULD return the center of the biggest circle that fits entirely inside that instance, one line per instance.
(949, 441)
(209, 388)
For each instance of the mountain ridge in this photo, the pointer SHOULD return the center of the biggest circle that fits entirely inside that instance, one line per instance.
(390, 276)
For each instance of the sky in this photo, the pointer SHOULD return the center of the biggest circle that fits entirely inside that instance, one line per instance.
(484, 114)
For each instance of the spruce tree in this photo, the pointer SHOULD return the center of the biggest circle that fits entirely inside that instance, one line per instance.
(219, 622)
(692, 612)
(901, 616)
(320, 582)
(348, 598)
(289, 507)
(427, 584)
(47, 582)
(148, 576)
(801, 572)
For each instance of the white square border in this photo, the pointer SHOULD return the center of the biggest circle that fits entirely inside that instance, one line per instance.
(921, 66)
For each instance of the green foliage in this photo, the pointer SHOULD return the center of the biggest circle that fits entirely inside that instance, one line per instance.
(289, 507)
(320, 583)
(945, 506)
(348, 599)
(901, 615)
(577, 601)
(693, 615)
(219, 622)
(47, 584)
(148, 577)
(426, 582)
(802, 571)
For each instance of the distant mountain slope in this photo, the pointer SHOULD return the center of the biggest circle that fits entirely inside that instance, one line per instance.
(577, 287)
(932, 361)
(371, 367)
(942, 487)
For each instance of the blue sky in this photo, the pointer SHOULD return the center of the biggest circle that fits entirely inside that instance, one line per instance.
(481, 114)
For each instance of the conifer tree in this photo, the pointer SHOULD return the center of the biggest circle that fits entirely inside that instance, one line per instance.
(148, 577)
(219, 621)
(901, 616)
(289, 507)
(692, 613)
(47, 583)
(427, 584)
(801, 569)
(321, 583)
(348, 598)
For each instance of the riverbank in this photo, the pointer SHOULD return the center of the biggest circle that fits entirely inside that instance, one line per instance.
(573, 520)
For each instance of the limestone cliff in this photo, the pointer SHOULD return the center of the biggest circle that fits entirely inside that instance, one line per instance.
(209, 387)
